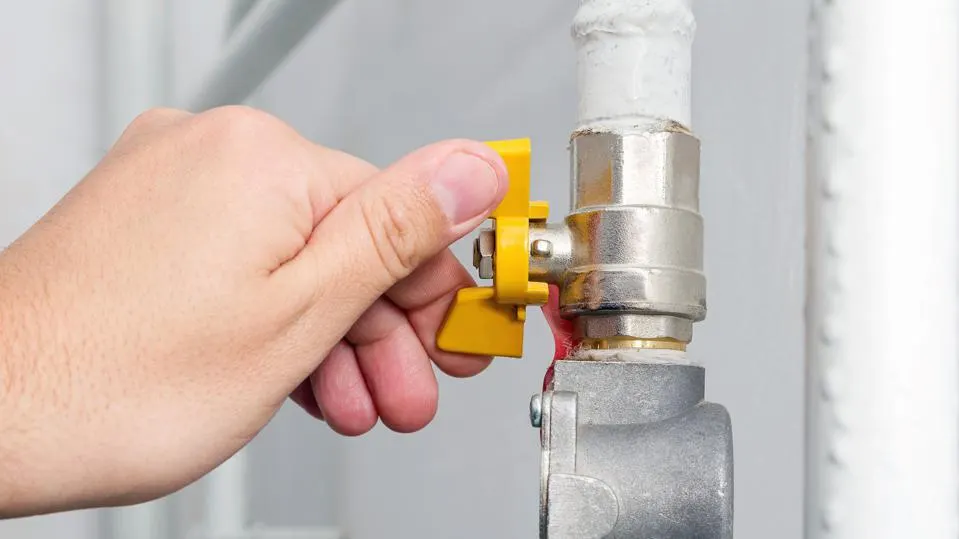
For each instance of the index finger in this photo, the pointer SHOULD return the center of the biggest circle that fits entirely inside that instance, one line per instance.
(426, 296)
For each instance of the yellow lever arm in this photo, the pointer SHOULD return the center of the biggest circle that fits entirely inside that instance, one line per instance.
(490, 321)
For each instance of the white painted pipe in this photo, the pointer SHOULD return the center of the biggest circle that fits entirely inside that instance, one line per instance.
(226, 499)
(265, 37)
(634, 63)
(883, 430)
(136, 67)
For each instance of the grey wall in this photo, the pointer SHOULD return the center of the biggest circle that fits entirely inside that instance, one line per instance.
(46, 143)
(381, 78)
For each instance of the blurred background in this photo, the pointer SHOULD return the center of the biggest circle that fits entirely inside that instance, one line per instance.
(379, 79)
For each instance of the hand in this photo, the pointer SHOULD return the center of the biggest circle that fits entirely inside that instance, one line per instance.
(211, 266)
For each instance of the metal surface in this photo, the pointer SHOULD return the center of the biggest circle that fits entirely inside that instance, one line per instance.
(598, 327)
(629, 447)
(629, 343)
(227, 497)
(136, 62)
(629, 260)
(484, 249)
(655, 168)
(582, 507)
(536, 411)
(636, 232)
(551, 267)
(883, 376)
(541, 248)
(631, 450)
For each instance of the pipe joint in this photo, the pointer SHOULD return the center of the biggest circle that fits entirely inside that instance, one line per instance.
(629, 258)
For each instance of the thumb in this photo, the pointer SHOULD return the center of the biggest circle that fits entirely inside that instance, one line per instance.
(397, 220)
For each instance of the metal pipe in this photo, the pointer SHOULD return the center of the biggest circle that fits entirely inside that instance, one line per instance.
(882, 429)
(238, 11)
(635, 166)
(261, 42)
(629, 447)
(635, 60)
(144, 521)
(634, 451)
(624, 184)
(226, 498)
(136, 61)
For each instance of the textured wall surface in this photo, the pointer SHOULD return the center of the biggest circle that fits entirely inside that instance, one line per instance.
(380, 78)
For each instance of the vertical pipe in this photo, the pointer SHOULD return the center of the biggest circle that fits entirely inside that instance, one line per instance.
(882, 440)
(136, 69)
(635, 163)
(634, 63)
(226, 498)
(144, 521)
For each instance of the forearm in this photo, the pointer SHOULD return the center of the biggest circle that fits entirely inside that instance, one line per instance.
(83, 421)
(15, 365)
(41, 456)
(21, 428)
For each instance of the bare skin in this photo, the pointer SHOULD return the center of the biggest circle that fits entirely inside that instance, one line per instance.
(209, 268)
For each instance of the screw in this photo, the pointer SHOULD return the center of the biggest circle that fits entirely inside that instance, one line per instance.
(483, 249)
(536, 411)
(541, 248)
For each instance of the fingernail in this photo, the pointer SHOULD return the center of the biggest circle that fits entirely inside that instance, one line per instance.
(467, 185)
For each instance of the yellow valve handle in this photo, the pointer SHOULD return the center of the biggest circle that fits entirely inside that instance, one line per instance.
(489, 321)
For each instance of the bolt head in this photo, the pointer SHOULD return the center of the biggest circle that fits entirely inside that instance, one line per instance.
(536, 411)
(541, 248)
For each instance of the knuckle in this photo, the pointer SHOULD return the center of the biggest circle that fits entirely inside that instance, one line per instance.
(154, 118)
(266, 149)
(238, 125)
(397, 225)
(238, 116)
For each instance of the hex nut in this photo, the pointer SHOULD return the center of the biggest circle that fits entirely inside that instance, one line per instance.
(477, 256)
(484, 249)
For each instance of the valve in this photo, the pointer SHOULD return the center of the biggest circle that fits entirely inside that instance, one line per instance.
(489, 321)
